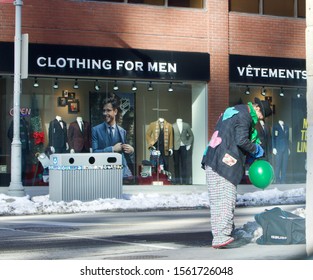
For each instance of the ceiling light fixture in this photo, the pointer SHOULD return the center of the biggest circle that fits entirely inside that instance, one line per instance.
(281, 94)
(263, 92)
(134, 87)
(56, 85)
(115, 87)
(36, 83)
(97, 87)
(247, 92)
(150, 87)
(76, 86)
(170, 87)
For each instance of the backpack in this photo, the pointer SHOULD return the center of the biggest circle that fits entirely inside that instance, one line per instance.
(280, 227)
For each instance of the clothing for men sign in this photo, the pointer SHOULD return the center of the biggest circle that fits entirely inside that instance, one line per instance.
(65, 60)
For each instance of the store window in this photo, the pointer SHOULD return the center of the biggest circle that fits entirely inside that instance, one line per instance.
(151, 103)
(285, 147)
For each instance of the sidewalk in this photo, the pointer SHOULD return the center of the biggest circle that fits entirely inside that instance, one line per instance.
(165, 189)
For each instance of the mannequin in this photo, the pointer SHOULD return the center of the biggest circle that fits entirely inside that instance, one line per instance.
(183, 139)
(266, 140)
(159, 137)
(58, 135)
(281, 150)
(79, 136)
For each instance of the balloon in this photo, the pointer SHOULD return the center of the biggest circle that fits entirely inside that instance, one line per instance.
(261, 174)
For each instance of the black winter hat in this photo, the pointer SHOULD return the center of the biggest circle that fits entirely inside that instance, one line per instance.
(264, 106)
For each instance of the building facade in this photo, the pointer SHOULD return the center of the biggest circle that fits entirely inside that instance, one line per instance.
(164, 60)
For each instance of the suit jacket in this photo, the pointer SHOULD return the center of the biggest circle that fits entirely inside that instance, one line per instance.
(153, 132)
(266, 139)
(58, 135)
(185, 137)
(77, 139)
(101, 143)
(280, 138)
(101, 139)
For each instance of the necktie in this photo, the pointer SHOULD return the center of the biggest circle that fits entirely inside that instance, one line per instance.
(111, 134)
(61, 123)
(82, 126)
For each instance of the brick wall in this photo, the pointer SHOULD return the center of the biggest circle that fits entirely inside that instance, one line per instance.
(120, 25)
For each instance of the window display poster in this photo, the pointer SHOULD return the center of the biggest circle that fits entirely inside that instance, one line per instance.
(299, 140)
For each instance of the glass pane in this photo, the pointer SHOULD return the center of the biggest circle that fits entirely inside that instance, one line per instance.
(284, 146)
(148, 2)
(278, 8)
(245, 6)
(301, 8)
(186, 3)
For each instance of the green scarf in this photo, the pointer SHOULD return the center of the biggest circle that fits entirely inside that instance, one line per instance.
(254, 137)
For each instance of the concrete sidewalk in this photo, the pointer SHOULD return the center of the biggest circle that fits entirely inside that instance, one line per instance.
(165, 189)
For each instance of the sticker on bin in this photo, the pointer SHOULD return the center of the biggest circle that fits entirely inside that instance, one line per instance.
(73, 167)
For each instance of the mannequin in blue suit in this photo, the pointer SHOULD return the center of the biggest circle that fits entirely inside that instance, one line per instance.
(280, 150)
(108, 137)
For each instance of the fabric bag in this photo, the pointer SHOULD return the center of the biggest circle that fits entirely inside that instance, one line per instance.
(280, 227)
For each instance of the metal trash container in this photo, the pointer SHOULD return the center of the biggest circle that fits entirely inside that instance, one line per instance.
(85, 177)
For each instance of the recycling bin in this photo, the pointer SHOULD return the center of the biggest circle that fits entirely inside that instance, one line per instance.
(85, 176)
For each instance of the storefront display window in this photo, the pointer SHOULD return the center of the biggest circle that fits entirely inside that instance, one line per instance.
(158, 160)
(285, 137)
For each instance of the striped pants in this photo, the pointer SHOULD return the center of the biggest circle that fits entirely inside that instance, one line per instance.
(222, 199)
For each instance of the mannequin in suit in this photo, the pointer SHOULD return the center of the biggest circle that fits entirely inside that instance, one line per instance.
(265, 138)
(58, 135)
(183, 139)
(79, 136)
(159, 137)
(281, 150)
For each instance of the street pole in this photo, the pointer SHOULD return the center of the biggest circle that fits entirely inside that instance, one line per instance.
(309, 97)
(16, 187)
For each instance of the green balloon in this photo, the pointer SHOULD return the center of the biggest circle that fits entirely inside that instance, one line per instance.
(261, 174)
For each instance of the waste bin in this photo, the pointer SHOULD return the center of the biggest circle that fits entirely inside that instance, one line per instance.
(85, 177)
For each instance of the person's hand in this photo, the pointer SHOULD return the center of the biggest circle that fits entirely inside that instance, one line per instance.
(117, 147)
(259, 151)
(128, 149)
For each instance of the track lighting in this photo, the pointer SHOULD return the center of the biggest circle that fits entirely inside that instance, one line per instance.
(97, 87)
(263, 92)
(247, 92)
(281, 94)
(115, 87)
(36, 83)
(134, 87)
(170, 88)
(150, 87)
(56, 85)
(76, 86)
